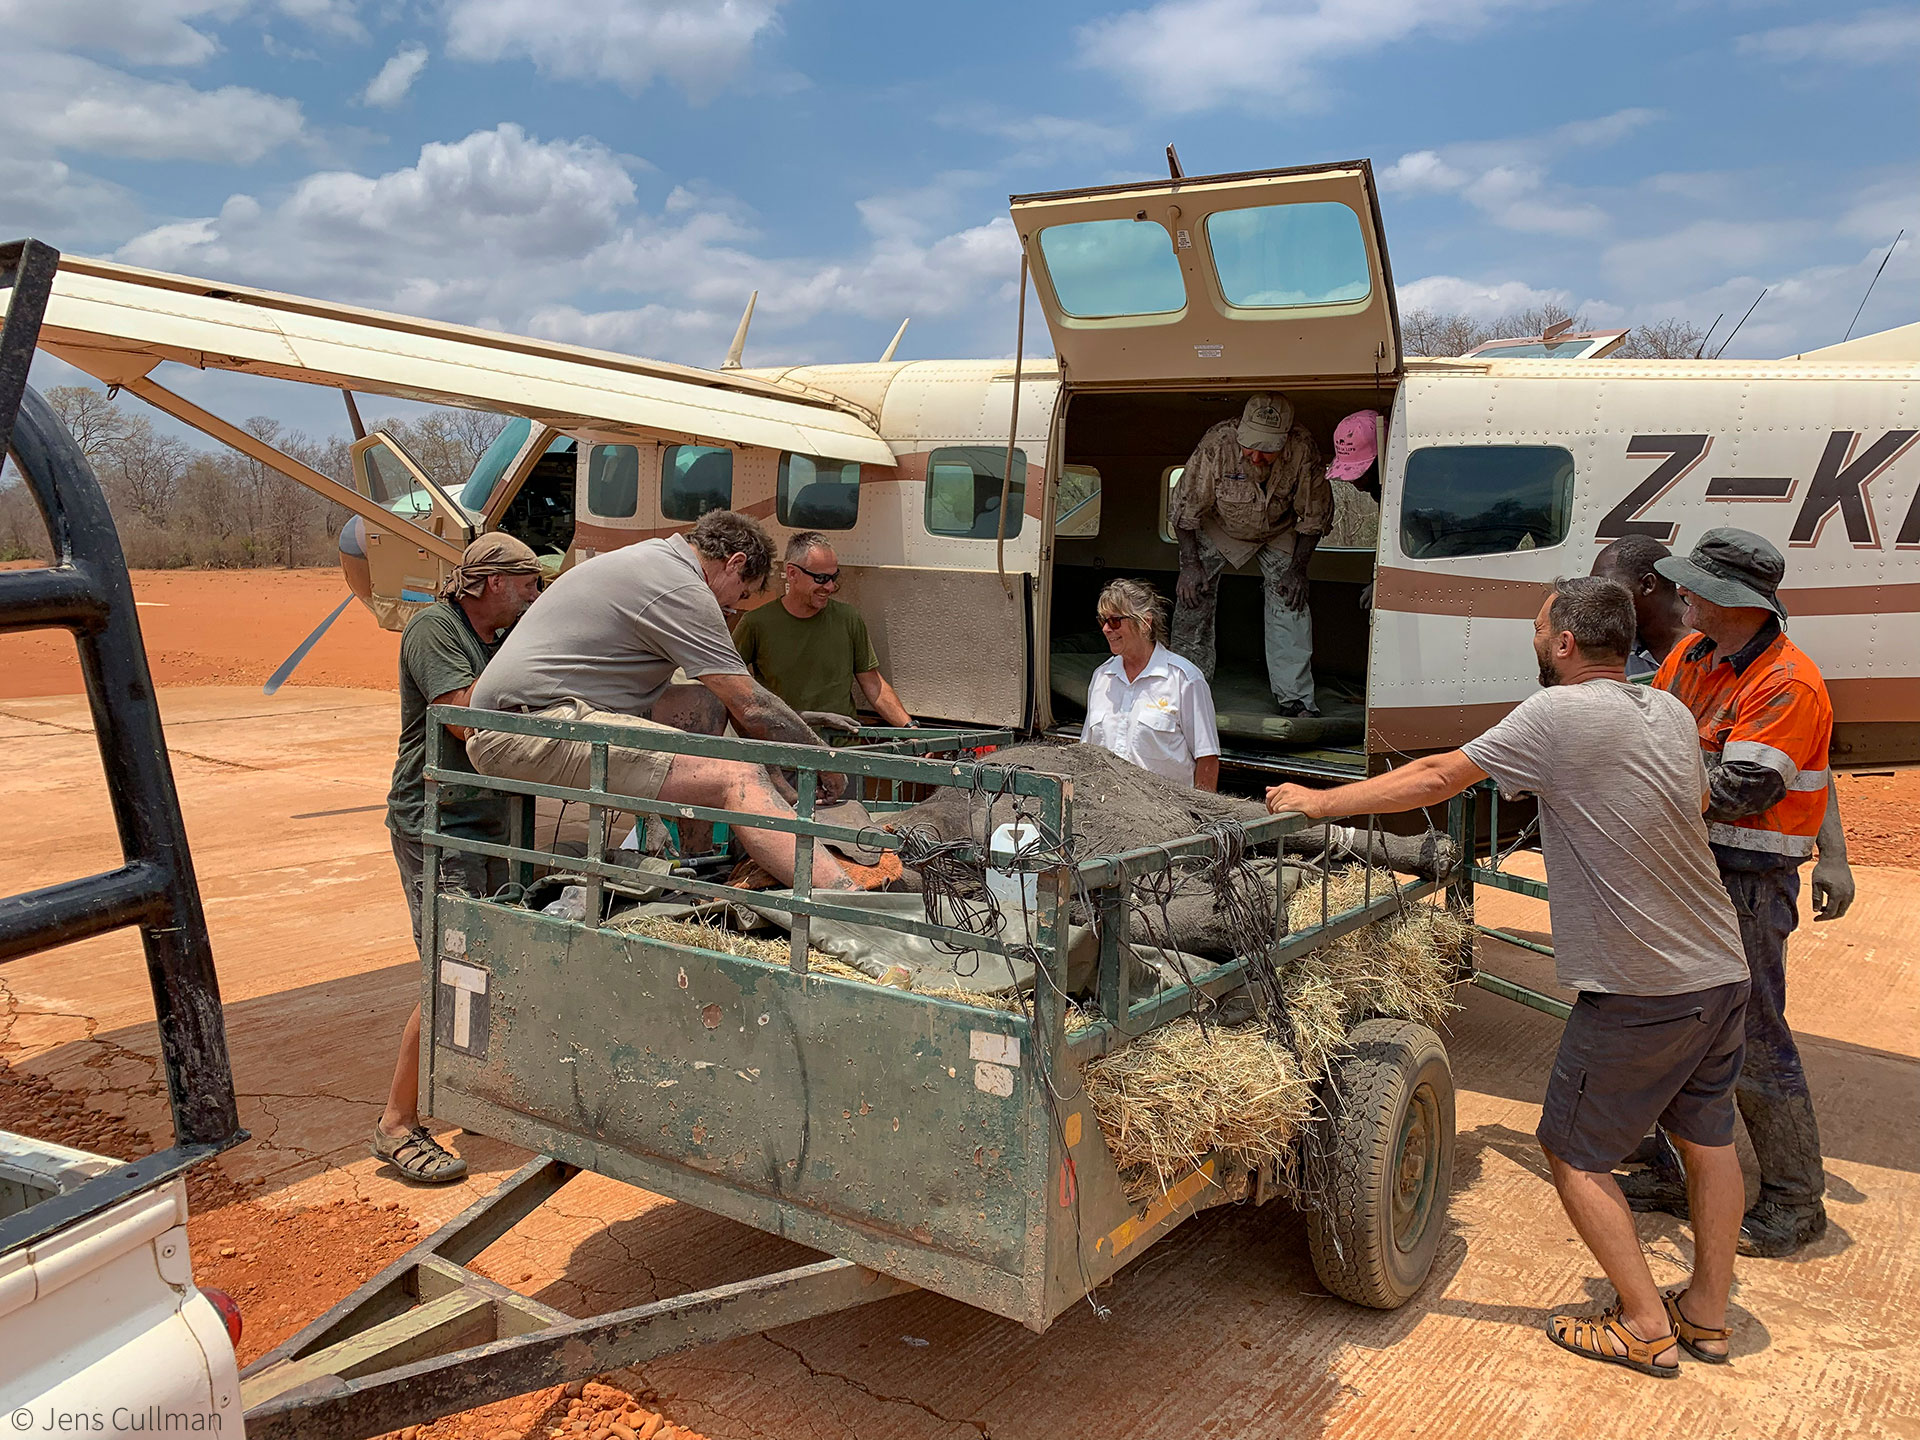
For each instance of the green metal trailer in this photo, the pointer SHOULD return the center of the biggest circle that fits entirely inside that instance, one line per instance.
(915, 1141)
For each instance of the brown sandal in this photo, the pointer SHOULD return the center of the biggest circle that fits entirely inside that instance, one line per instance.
(1690, 1335)
(1585, 1336)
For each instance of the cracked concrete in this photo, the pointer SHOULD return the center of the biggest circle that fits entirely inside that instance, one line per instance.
(1221, 1330)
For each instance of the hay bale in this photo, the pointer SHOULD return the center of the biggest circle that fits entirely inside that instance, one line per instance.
(1169, 1098)
(716, 937)
(1174, 1095)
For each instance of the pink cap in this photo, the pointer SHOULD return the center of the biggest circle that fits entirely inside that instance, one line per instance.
(1354, 445)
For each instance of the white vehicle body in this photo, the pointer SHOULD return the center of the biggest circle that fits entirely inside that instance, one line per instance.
(102, 1331)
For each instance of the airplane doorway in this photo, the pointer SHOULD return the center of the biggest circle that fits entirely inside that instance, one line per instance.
(1120, 457)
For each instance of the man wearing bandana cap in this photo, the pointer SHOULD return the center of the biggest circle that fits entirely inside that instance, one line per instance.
(442, 652)
(1253, 487)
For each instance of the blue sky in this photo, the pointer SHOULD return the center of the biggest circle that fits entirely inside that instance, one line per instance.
(622, 172)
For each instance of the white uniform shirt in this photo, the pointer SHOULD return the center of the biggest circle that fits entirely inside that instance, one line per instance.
(1162, 721)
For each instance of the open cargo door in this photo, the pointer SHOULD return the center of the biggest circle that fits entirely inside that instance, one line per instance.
(1276, 276)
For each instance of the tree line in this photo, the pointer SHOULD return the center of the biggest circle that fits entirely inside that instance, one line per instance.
(176, 505)
(1437, 333)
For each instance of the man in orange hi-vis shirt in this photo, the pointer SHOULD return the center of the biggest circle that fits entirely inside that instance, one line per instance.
(1765, 722)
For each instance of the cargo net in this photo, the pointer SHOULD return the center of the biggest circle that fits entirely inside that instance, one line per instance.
(1249, 1071)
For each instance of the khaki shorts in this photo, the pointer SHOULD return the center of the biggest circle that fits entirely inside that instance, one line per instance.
(548, 761)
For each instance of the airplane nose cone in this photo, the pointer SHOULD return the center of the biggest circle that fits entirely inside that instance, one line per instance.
(353, 557)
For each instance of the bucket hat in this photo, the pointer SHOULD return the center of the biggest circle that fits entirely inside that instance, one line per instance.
(1734, 568)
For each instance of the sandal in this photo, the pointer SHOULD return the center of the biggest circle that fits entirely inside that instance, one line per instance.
(418, 1156)
(1585, 1336)
(1691, 1335)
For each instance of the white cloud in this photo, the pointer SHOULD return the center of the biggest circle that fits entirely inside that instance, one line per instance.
(1191, 55)
(147, 32)
(1872, 37)
(46, 197)
(505, 230)
(1482, 299)
(62, 102)
(396, 77)
(1037, 139)
(698, 44)
(1509, 181)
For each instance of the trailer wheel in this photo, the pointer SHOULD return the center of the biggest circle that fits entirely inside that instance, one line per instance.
(1389, 1164)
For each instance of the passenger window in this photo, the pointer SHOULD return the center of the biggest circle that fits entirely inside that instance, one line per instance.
(963, 491)
(695, 479)
(493, 463)
(613, 481)
(1076, 514)
(1485, 500)
(817, 494)
(1271, 257)
(1169, 479)
(1103, 268)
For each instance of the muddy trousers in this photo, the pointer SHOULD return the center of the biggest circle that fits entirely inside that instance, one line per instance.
(1289, 632)
(1772, 1090)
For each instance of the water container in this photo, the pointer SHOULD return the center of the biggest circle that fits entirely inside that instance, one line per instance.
(1016, 892)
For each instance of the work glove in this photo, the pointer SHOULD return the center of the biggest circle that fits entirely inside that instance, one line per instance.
(1833, 888)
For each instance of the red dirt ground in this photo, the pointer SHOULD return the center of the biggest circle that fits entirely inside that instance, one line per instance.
(223, 627)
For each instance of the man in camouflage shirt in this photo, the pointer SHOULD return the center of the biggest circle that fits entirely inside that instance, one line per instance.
(1255, 486)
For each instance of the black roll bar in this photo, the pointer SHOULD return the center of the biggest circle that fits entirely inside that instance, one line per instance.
(86, 590)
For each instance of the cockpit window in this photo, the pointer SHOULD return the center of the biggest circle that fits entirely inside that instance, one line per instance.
(1272, 257)
(1104, 268)
(493, 463)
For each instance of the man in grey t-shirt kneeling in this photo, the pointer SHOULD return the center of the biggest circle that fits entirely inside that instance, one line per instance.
(1643, 930)
(602, 645)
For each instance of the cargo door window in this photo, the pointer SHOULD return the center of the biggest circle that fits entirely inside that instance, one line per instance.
(1169, 482)
(1485, 500)
(1273, 257)
(1104, 268)
(695, 479)
(963, 491)
(817, 494)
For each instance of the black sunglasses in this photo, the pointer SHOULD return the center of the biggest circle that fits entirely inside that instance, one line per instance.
(831, 578)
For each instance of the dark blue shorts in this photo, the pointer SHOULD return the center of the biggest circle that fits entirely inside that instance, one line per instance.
(1626, 1061)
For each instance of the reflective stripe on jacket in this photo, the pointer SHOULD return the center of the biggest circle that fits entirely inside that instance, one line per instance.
(1770, 709)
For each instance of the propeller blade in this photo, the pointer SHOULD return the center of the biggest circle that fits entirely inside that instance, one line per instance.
(287, 666)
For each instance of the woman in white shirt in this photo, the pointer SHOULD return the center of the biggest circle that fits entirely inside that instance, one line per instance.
(1147, 704)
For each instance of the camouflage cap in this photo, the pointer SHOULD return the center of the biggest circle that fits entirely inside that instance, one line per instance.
(1265, 422)
(1734, 568)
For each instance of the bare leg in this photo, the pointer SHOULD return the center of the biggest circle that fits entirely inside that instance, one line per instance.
(698, 711)
(403, 1096)
(1599, 1213)
(735, 785)
(1716, 1196)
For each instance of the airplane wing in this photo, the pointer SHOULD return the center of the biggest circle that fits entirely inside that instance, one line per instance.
(117, 322)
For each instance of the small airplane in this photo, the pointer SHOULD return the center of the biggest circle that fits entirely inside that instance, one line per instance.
(978, 506)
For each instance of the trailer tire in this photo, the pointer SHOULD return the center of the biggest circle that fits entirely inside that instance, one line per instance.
(1388, 1153)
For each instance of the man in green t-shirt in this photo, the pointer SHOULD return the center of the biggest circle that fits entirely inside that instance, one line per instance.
(442, 652)
(811, 649)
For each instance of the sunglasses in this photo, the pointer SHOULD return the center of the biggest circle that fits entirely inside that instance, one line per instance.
(1113, 622)
(832, 577)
